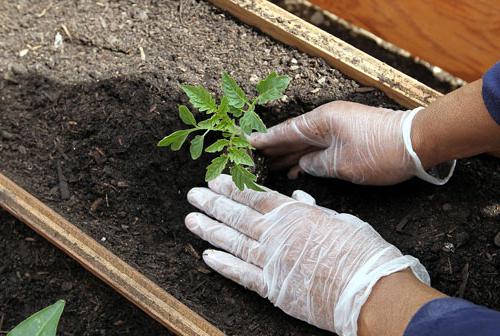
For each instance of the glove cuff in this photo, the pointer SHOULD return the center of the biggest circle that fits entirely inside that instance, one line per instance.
(358, 290)
(434, 174)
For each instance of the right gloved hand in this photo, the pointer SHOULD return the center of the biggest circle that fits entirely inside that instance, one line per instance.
(315, 264)
(349, 141)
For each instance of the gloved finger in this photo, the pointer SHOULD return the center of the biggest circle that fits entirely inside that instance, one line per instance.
(318, 163)
(294, 172)
(302, 129)
(241, 217)
(224, 237)
(286, 150)
(289, 160)
(243, 273)
(303, 197)
(263, 202)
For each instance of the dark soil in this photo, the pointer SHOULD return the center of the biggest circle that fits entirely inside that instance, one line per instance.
(96, 109)
(34, 274)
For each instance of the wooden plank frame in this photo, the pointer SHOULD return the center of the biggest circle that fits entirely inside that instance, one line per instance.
(353, 62)
(123, 278)
(115, 272)
(459, 36)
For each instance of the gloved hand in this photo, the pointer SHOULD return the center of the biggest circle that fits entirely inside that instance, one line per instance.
(349, 141)
(314, 264)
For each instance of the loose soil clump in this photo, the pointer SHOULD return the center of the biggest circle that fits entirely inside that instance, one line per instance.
(79, 126)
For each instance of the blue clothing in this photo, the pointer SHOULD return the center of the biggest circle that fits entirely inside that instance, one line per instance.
(454, 317)
(491, 92)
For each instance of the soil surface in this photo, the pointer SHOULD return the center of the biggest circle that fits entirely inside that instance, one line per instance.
(34, 274)
(88, 114)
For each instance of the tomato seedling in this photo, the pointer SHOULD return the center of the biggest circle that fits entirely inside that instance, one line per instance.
(233, 119)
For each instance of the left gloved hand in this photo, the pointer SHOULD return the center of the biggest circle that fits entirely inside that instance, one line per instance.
(313, 263)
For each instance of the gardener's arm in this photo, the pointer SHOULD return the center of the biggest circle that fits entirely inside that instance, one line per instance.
(370, 145)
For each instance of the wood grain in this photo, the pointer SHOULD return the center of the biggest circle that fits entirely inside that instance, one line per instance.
(134, 286)
(462, 36)
(356, 64)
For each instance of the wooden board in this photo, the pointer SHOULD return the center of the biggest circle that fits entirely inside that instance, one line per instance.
(134, 286)
(462, 36)
(356, 64)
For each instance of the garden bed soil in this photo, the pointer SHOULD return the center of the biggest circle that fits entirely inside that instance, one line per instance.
(90, 113)
(34, 274)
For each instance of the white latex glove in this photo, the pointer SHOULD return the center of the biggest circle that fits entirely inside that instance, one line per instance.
(349, 141)
(314, 264)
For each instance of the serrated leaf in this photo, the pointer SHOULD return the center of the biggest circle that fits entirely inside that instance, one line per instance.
(233, 91)
(216, 168)
(240, 142)
(209, 123)
(175, 140)
(244, 178)
(186, 115)
(42, 323)
(196, 147)
(200, 98)
(236, 112)
(224, 105)
(217, 146)
(240, 156)
(251, 121)
(272, 88)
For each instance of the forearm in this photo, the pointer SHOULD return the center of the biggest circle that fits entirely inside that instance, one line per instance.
(455, 126)
(393, 302)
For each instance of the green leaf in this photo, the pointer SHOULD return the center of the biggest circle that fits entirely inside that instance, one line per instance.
(244, 178)
(272, 88)
(209, 123)
(200, 98)
(186, 115)
(240, 156)
(240, 142)
(175, 140)
(42, 323)
(233, 91)
(251, 121)
(196, 147)
(235, 111)
(217, 146)
(216, 168)
(224, 105)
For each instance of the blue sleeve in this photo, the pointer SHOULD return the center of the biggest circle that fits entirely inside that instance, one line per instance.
(454, 317)
(491, 91)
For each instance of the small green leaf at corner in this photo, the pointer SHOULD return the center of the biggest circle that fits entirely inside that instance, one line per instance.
(175, 140)
(243, 178)
(42, 323)
(200, 98)
(233, 91)
(186, 115)
(216, 168)
(196, 147)
(272, 88)
(251, 121)
(217, 146)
